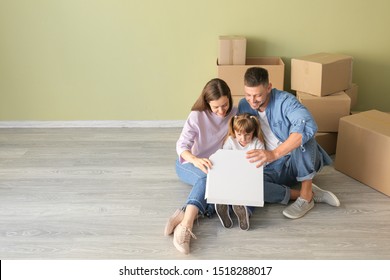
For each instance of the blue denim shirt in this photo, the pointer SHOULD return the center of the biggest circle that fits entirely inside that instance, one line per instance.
(285, 115)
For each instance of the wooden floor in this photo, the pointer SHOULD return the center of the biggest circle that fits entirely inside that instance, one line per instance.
(106, 193)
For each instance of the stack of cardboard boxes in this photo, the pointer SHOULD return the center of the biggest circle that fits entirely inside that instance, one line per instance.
(232, 64)
(323, 83)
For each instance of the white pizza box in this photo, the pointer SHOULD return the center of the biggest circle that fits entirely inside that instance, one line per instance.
(234, 180)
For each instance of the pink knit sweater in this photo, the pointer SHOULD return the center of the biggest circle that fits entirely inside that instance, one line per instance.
(203, 133)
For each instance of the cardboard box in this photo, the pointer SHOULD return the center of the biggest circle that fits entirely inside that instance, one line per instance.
(236, 99)
(328, 141)
(321, 74)
(326, 110)
(232, 50)
(233, 75)
(352, 92)
(363, 149)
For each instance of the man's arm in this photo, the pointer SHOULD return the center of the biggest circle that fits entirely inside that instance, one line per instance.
(263, 156)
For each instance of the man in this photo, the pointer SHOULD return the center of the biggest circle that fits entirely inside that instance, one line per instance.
(292, 155)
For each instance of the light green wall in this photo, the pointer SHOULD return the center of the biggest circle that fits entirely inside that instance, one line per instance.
(149, 59)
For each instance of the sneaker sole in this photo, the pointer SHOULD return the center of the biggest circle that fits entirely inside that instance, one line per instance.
(224, 217)
(242, 215)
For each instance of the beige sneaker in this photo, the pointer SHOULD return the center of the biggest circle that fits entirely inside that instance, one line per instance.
(173, 221)
(181, 238)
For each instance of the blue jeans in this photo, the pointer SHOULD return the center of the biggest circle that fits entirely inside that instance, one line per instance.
(300, 165)
(190, 174)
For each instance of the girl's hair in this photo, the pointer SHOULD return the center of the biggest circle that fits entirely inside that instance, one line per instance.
(213, 90)
(245, 123)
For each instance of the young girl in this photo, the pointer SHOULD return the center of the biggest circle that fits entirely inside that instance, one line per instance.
(244, 134)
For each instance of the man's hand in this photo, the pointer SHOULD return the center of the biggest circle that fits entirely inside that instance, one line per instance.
(260, 156)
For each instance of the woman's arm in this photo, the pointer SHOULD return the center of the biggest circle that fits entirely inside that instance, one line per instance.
(202, 163)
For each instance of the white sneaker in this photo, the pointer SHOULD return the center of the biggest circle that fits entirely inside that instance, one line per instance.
(327, 197)
(298, 209)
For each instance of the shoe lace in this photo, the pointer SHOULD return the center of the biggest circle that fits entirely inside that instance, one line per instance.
(300, 202)
(318, 196)
(186, 235)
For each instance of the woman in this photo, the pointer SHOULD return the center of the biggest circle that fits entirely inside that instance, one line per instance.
(202, 135)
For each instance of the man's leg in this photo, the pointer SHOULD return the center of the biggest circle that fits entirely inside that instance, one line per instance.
(304, 164)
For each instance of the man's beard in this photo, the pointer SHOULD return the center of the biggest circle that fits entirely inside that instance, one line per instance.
(261, 104)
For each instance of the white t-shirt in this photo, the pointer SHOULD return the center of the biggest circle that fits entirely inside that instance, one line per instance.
(232, 144)
(271, 142)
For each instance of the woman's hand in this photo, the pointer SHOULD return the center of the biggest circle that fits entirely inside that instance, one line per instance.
(203, 164)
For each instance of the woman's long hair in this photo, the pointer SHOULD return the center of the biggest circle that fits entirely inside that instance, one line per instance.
(213, 90)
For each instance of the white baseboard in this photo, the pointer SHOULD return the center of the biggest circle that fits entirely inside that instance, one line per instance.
(102, 124)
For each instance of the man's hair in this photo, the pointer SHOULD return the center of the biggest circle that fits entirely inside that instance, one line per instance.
(256, 76)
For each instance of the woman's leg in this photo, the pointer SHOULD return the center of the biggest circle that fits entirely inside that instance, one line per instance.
(195, 204)
(195, 177)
